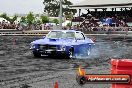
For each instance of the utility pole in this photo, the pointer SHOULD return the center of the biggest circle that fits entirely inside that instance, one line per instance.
(60, 16)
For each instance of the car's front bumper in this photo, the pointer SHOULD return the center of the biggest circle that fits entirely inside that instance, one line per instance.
(49, 52)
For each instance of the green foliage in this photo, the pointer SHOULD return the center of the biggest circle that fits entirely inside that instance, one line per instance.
(56, 21)
(52, 7)
(45, 19)
(11, 20)
(69, 16)
(69, 24)
(38, 22)
(30, 18)
(23, 19)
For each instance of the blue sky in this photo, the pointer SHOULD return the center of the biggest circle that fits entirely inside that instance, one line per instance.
(23, 6)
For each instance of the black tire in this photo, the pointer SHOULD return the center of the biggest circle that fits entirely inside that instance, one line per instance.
(88, 51)
(36, 54)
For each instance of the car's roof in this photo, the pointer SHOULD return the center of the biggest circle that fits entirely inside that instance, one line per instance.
(67, 30)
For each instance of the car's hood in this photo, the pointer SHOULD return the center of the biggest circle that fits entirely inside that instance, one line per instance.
(53, 41)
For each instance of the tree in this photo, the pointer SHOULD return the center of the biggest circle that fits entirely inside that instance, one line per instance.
(30, 18)
(23, 19)
(45, 19)
(52, 7)
(11, 20)
(23, 22)
(56, 21)
(38, 22)
(69, 24)
(69, 16)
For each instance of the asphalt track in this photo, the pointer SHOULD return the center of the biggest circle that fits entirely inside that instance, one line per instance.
(19, 69)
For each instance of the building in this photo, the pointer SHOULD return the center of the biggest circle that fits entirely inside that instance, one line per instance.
(114, 12)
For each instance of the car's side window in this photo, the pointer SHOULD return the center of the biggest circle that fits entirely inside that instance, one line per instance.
(79, 36)
(83, 36)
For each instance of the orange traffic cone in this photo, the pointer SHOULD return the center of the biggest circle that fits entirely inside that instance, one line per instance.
(56, 85)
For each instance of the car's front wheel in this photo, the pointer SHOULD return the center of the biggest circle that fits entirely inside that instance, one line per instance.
(36, 54)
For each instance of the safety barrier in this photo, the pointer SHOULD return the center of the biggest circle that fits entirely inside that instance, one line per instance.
(22, 33)
(123, 66)
(44, 32)
(56, 85)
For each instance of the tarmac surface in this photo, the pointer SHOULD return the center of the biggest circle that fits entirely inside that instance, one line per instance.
(19, 69)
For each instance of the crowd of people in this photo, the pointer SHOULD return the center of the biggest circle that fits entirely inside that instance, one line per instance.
(105, 20)
(111, 18)
(6, 25)
(77, 27)
(18, 26)
(88, 23)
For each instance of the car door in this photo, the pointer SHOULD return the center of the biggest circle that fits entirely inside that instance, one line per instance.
(81, 44)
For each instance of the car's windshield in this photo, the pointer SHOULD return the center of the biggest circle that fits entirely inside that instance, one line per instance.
(60, 34)
(69, 35)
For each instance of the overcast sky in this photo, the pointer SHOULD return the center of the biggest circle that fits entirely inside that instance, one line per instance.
(23, 6)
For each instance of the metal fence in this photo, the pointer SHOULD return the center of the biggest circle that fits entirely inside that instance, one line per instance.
(107, 30)
(94, 30)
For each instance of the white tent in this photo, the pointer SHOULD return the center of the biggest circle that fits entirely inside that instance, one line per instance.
(92, 4)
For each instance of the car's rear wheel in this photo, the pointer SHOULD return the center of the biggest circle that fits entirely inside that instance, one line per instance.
(88, 51)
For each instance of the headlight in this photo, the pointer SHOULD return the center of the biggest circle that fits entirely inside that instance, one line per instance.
(63, 48)
(32, 46)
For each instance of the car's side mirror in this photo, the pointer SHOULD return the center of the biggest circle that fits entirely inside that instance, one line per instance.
(78, 39)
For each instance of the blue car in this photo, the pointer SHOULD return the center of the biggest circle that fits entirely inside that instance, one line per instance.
(68, 43)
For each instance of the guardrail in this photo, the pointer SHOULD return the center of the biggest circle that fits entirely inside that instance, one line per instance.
(44, 32)
(31, 32)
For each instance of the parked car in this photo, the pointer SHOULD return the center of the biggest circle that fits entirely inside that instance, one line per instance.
(68, 43)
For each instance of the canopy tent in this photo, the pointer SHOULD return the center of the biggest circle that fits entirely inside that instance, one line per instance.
(99, 4)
